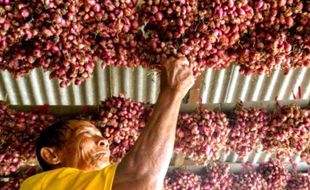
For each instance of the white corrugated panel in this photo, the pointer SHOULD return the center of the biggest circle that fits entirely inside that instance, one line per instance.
(256, 157)
(37, 89)
(225, 86)
(254, 88)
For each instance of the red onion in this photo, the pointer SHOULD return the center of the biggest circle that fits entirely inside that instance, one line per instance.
(18, 132)
(169, 19)
(300, 40)
(248, 127)
(276, 15)
(288, 131)
(217, 177)
(116, 40)
(305, 155)
(275, 174)
(269, 44)
(201, 135)
(14, 181)
(298, 182)
(262, 51)
(121, 121)
(221, 24)
(182, 180)
(249, 180)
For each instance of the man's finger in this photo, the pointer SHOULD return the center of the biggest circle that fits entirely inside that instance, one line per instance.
(187, 73)
(191, 65)
(183, 61)
(167, 62)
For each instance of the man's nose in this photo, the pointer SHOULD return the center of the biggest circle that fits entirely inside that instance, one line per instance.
(103, 143)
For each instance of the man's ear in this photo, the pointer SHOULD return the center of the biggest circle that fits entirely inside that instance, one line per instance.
(50, 155)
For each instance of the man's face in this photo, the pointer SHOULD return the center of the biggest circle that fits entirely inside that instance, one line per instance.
(85, 149)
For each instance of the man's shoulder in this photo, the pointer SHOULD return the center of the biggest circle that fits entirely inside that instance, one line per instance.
(39, 179)
(58, 171)
(67, 178)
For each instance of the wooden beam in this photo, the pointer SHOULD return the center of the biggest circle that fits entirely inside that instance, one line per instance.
(178, 160)
(237, 168)
(226, 107)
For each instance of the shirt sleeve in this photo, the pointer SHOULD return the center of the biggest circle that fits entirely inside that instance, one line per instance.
(70, 178)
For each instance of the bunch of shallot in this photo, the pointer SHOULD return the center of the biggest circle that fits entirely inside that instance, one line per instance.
(288, 131)
(18, 132)
(275, 174)
(217, 177)
(201, 135)
(248, 126)
(14, 181)
(113, 31)
(121, 121)
(305, 155)
(298, 182)
(249, 180)
(182, 180)
(166, 31)
(170, 19)
(276, 15)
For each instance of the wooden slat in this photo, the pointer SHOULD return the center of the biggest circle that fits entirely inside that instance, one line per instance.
(178, 160)
(237, 167)
(226, 107)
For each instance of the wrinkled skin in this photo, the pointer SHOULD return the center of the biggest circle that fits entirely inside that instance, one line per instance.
(85, 149)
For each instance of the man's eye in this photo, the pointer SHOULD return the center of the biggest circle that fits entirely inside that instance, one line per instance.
(86, 132)
(99, 134)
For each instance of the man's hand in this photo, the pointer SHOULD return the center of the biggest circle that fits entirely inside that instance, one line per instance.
(177, 76)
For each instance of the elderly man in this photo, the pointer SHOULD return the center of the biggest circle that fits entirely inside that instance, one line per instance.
(74, 155)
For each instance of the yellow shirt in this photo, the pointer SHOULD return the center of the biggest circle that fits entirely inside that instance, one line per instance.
(71, 178)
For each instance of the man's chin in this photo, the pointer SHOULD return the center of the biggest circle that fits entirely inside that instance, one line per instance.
(101, 166)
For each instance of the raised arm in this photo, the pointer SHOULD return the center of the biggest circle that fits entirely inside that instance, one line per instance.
(146, 165)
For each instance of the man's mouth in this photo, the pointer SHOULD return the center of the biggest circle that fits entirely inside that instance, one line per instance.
(101, 154)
